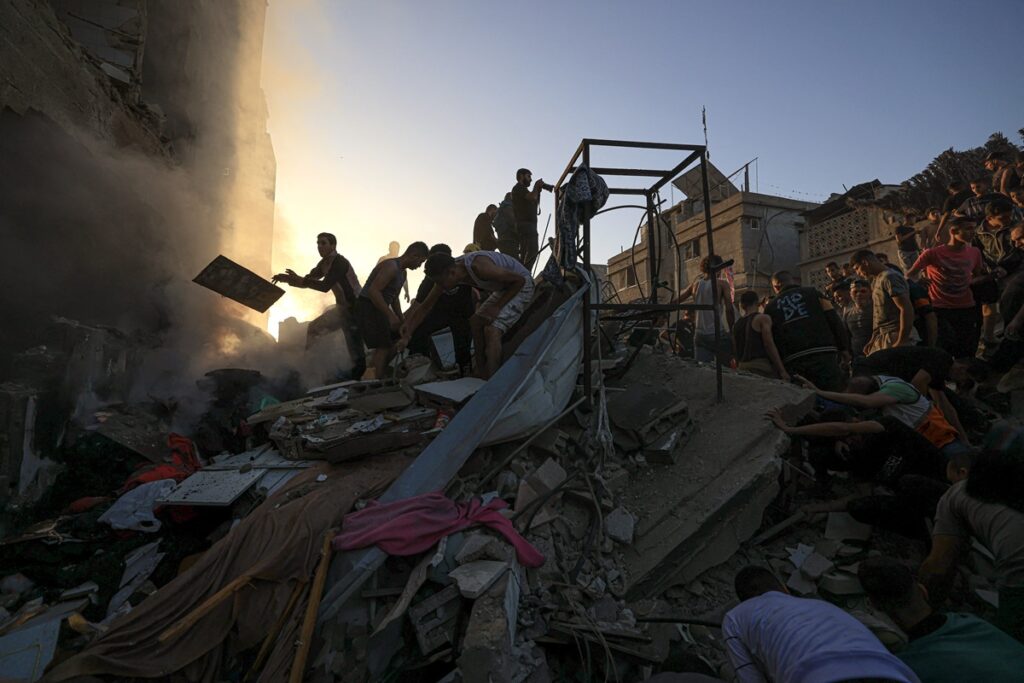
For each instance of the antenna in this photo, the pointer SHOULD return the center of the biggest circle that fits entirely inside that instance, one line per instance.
(704, 120)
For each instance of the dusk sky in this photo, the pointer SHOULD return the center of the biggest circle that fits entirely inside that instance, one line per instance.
(403, 120)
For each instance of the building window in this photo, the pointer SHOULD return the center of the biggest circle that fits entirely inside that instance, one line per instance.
(753, 223)
(630, 276)
(690, 250)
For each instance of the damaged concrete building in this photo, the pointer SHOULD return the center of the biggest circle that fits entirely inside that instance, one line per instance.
(759, 232)
(133, 142)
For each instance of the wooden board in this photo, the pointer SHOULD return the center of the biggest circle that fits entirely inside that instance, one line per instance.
(229, 279)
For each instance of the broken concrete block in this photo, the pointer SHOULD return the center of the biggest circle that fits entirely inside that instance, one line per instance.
(619, 525)
(840, 583)
(666, 449)
(435, 618)
(800, 584)
(474, 548)
(17, 584)
(552, 441)
(476, 577)
(815, 565)
(843, 527)
(487, 649)
(605, 609)
(541, 481)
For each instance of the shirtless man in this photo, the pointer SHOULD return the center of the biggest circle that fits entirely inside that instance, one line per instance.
(511, 289)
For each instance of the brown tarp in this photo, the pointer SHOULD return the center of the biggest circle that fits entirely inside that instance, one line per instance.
(278, 545)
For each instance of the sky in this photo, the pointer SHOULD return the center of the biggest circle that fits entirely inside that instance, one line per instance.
(403, 120)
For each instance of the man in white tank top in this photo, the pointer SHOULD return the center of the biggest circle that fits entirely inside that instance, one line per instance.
(511, 290)
(704, 327)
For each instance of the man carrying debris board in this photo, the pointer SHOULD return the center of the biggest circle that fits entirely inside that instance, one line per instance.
(333, 274)
(510, 287)
(378, 310)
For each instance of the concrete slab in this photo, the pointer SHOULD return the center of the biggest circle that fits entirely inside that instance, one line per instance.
(695, 513)
(474, 578)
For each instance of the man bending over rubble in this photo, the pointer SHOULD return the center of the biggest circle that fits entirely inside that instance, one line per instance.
(333, 274)
(510, 287)
(378, 311)
(773, 636)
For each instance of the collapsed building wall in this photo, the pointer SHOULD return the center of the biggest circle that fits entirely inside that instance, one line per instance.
(116, 191)
(120, 185)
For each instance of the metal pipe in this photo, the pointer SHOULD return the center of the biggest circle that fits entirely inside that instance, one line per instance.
(595, 142)
(587, 343)
(714, 275)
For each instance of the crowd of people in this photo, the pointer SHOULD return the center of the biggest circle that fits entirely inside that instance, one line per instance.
(478, 295)
(895, 351)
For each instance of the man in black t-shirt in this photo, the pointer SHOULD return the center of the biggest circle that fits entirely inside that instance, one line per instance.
(333, 274)
(808, 333)
(453, 310)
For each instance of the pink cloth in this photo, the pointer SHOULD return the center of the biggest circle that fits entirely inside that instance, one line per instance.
(949, 275)
(414, 525)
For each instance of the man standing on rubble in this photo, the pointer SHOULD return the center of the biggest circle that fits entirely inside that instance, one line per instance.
(511, 290)
(333, 274)
(808, 332)
(483, 233)
(525, 202)
(378, 311)
(699, 290)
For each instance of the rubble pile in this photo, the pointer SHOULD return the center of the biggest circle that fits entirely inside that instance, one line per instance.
(600, 544)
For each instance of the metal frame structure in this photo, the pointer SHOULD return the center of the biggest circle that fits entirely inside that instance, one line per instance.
(650, 308)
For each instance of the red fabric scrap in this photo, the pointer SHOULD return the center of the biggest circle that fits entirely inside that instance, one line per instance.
(84, 504)
(184, 462)
(414, 525)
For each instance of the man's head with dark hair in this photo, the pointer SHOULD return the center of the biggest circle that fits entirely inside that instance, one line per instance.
(752, 581)
(959, 464)
(997, 471)
(414, 256)
(440, 248)
(491, 211)
(326, 244)
(888, 583)
(933, 213)
(956, 186)
(862, 384)
(979, 186)
(860, 292)
(995, 160)
(999, 213)
(961, 230)
(1017, 196)
(883, 257)
(781, 279)
(709, 262)
(841, 293)
(438, 264)
(892, 588)
(866, 264)
(524, 176)
(833, 271)
(749, 299)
